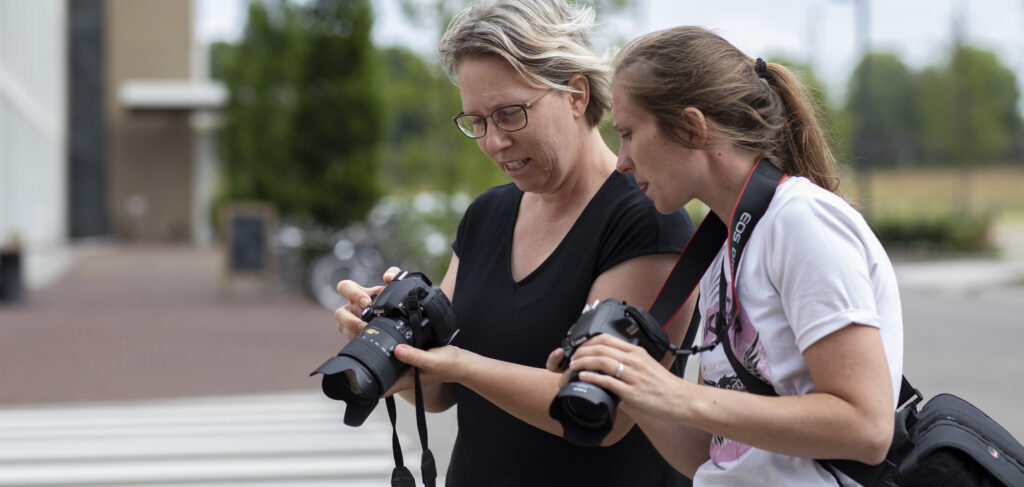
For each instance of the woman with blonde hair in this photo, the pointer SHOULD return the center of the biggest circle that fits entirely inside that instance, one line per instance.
(807, 365)
(528, 255)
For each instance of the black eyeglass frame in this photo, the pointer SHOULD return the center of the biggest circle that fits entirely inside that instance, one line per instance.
(522, 106)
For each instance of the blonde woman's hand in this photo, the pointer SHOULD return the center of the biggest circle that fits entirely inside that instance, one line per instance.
(349, 316)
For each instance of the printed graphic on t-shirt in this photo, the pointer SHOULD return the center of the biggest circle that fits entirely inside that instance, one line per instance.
(746, 344)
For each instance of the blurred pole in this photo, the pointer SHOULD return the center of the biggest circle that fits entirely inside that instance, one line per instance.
(863, 27)
(640, 24)
(814, 19)
(961, 158)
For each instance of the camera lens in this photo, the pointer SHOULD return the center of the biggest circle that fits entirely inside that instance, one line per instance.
(408, 311)
(360, 382)
(365, 368)
(584, 412)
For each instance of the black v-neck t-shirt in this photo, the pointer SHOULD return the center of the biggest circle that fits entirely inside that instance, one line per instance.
(522, 322)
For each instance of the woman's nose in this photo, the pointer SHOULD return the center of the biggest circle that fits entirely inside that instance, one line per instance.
(495, 140)
(624, 163)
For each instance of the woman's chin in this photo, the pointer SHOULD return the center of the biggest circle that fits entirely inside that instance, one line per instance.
(665, 207)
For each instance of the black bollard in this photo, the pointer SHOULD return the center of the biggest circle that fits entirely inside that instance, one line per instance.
(12, 288)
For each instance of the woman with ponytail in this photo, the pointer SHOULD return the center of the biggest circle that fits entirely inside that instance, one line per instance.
(818, 324)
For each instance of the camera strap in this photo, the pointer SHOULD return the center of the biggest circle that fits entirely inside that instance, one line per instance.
(401, 476)
(702, 248)
(757, 194)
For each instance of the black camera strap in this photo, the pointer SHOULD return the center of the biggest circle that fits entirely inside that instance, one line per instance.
(753, 202)
(702, 248)
(401, 476)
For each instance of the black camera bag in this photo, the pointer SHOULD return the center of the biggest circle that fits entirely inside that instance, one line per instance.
(951, 442)
(948, 442)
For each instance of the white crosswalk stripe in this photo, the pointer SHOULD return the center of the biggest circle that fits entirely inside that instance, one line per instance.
(295, 439)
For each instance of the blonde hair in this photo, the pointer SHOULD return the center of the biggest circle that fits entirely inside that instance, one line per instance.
(765, 110)
(545, 41)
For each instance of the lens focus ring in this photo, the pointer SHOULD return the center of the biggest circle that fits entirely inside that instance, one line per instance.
(374, 347)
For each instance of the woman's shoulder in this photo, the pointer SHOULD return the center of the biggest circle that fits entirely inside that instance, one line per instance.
(628, 217)
(630, 200)
(799, 197)
(620, 193)
(804, 217)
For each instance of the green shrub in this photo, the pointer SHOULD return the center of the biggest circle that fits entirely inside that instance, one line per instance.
(934, 233)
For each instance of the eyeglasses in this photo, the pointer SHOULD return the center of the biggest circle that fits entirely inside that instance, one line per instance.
(510, 118)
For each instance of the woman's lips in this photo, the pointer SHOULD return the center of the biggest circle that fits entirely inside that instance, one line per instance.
(514, 167)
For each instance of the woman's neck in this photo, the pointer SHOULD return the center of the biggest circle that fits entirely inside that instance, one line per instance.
(730, 169)
(594, 163)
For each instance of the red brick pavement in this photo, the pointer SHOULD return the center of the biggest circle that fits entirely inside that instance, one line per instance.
(134, 322)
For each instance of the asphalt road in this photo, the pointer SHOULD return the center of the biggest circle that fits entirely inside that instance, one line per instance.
(969, 345)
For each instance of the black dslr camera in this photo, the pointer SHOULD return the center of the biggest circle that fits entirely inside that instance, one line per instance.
(366, 367)
(586, 411)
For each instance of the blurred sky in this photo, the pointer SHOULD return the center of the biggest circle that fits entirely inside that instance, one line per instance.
(819, 32)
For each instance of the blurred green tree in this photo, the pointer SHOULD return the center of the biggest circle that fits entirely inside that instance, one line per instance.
(437, 13)
(336, 132)
(424, 151)
(969, 108)
(885, 120)
(304, 113)
(261, 72)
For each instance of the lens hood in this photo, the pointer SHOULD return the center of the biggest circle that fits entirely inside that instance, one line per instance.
(586, 412)
(342, 376)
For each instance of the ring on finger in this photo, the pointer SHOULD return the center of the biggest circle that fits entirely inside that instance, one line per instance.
(619, 369)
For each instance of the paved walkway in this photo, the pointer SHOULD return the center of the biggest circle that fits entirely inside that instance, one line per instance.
(149, 322)
(133, 369)
(970, 275)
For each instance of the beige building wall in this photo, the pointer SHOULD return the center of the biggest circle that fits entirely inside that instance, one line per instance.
(150, 152)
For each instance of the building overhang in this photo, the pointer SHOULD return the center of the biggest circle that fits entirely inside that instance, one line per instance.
(175, 95)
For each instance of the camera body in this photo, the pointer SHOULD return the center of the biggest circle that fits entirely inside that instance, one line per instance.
(586, 411)
(366, 368)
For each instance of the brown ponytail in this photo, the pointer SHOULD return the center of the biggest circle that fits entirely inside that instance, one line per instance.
(766, 111)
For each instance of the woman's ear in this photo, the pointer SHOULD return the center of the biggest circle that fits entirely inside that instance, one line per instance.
(699, 126)
(580, 97)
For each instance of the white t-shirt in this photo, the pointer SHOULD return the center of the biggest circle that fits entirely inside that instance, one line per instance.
(812, 266)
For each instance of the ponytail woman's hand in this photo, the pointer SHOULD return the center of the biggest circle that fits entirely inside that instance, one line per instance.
(554, 360)
(645, 386)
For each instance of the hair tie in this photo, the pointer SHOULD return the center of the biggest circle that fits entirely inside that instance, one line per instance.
(760, 67)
